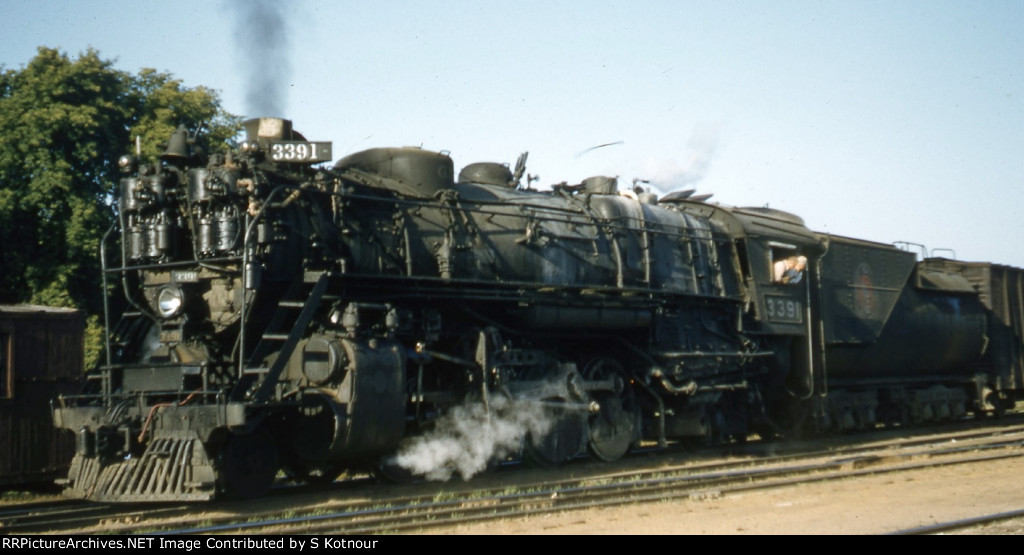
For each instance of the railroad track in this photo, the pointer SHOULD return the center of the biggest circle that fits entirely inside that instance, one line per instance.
(360, 508)
(1005, 523)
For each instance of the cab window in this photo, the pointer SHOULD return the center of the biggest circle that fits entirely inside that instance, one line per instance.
(788, 266)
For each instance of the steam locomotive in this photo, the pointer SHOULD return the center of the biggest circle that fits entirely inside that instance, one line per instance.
(279, 314)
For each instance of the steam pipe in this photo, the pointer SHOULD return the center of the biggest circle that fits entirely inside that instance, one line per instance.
(619, 276)
(688, 389)
(106, 301)
(124, 277)
(250, 225)
(646, 245)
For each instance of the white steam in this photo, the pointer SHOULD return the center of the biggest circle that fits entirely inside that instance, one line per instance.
(469, 437)
(151, 342)
(670, 175)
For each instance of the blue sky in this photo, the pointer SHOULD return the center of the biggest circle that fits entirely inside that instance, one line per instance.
(888, 121)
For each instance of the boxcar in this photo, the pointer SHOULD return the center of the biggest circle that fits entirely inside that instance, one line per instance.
(41, 357)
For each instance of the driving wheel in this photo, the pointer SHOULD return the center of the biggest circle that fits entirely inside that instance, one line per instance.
(561, 442)
(613, 428)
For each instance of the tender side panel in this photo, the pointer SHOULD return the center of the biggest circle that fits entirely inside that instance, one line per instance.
(860, 284)
(929, 329)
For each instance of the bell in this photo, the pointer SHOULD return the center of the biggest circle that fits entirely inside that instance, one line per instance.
(177, 146)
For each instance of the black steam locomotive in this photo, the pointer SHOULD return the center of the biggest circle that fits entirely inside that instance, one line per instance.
(280, 314)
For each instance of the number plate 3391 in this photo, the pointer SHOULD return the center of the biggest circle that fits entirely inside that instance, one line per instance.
(300, 151)
(783, 309)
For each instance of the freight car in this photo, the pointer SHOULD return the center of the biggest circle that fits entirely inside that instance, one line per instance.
(282, 314)
(40, 358)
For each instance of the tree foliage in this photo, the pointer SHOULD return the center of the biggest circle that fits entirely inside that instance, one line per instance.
(65, 123)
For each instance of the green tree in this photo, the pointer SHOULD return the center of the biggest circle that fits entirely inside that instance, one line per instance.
(66, 121)
(160, 104)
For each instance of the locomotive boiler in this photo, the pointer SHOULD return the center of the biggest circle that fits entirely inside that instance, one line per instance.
(276, 313)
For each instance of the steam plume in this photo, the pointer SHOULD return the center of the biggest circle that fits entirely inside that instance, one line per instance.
(703, 145)
(466, 439)
(262, 38)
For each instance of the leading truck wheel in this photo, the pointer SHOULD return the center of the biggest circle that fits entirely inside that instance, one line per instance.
(318, 473)
(249, 463)
(614, 426)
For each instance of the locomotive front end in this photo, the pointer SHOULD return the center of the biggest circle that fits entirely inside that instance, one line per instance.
(204, 247)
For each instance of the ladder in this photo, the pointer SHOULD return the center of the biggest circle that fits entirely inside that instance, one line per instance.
(287, 326)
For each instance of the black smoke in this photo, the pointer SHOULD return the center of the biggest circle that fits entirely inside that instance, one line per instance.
(263, 43)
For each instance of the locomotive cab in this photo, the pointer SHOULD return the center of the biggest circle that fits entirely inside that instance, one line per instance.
(778, 257)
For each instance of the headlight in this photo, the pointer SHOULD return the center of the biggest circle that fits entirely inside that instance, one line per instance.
(169, 302)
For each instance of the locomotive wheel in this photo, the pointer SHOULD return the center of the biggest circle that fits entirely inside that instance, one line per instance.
(614, 427)
(314, 473)
(305, 439)
(559, 444)
(387, 470)
(249, 464)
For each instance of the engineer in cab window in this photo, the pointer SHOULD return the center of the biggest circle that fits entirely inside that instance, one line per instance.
(790, 269)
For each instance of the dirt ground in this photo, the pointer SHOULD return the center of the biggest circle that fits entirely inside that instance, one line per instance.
(868, 505)
(876, 504)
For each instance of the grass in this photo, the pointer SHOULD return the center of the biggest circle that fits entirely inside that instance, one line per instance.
(443, 496)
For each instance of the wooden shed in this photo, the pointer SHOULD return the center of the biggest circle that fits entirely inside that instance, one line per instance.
(41, 357)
